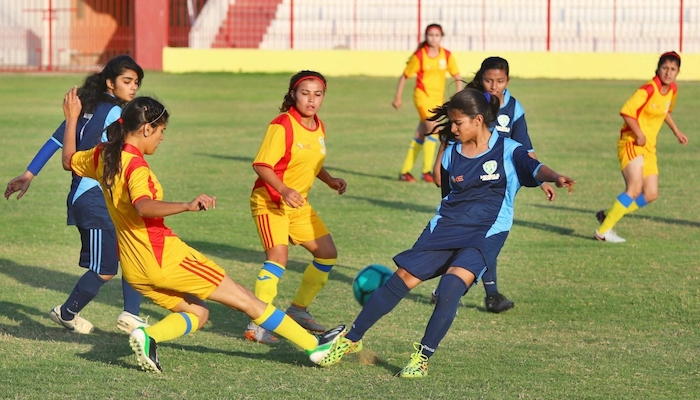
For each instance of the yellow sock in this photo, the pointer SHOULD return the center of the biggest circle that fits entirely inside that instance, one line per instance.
(278, 322)
(314, 279)
(622, 205)
(173, 326)
(411, 156)
(268, 278)
(429, 148)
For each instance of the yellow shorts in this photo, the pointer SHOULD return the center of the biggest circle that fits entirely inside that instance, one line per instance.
(196, 275)
(424, 104)
(277, 227)
(628, 151)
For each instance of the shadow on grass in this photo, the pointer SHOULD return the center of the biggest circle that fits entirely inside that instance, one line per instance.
(670, 221)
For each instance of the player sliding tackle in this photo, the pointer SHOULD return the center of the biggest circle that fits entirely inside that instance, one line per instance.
(154, 260)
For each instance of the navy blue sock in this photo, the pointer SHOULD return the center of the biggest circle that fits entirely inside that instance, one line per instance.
(451, 289)
(132, 298)
(489, 280)
(379, 304)
(84, 291)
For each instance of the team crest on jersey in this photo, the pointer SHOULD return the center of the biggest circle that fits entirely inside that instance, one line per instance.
(443, 64)
(490, 167)
(503, 120)
(323, 144)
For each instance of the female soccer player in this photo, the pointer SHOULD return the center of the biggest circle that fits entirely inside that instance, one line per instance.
(154, 260)
(429, 64)
(102, 96)
(643, 114)
(482, 172)
(493, 77)
(289, 161)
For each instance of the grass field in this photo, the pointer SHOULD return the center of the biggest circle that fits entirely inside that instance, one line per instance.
(592, 320)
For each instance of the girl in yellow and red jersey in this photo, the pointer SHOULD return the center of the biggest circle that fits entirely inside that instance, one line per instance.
(154, 260)
(644, 113)
(428, 64)
(289, 161)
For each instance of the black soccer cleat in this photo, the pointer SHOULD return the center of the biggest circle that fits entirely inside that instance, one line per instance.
(498, 303)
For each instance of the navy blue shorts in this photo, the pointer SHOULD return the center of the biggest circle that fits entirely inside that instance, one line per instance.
(99, 250)
(428, 264)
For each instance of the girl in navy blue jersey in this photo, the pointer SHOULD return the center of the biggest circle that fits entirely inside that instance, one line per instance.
(481, 173)
(102, 95)
(493, 77)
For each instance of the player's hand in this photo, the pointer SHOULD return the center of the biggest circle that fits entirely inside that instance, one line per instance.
(202, 202)
(396, 104)
(640, 140)
(292, 198)
(565, 181)
(72, 105)
(338, 184)
(19, 184)
(548, 191)
(682, 139)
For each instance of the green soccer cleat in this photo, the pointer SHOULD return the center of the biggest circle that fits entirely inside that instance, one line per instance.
(326, 341)
(146, 351)
(418, 366)
(340, 348)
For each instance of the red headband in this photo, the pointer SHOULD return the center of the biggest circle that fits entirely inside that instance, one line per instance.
(671, 54)
(309, 77)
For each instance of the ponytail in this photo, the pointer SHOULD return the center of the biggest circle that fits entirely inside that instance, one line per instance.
(112, 152)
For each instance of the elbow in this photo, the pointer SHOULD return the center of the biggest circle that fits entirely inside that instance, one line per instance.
(66, 163)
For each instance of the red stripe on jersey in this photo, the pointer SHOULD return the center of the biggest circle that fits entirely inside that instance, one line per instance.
(283, 163)
(203, 271)
(96, 158)
(650, 91)
(419, 76)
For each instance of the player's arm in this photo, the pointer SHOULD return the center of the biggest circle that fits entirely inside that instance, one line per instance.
(290, 196)
(633, 124)
(399, 92)
(71, 109)
(150, 208)
(546, 174)
(337, 184)
(682, 139)
(21, 183)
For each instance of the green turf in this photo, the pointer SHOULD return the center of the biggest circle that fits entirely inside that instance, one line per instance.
(591, 321)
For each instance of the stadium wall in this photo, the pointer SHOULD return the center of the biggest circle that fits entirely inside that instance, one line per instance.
(391, 63)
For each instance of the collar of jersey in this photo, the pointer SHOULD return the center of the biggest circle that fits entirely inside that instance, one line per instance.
(129, 148)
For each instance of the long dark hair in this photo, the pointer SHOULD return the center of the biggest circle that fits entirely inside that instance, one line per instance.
(94, 89)
(470, 102)
(486, 65)
(289, 101)
(425, 36)
(139, 111)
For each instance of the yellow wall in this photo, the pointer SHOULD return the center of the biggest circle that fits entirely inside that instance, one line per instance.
(391, 63)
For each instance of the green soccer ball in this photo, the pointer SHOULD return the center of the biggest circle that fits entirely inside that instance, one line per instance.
(369, 279)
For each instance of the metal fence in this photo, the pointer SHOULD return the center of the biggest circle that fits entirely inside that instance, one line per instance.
(55, 35)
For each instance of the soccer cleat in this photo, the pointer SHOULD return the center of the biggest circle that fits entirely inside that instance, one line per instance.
(326, 342)
(77, 324)
(428, 177)
(418, 365)
(127, 322)
(600, 216)
(340, 348)
(256, 333)
(146, 350)
(407, 177)
(497, 303)
(610, 236)
(302, 317)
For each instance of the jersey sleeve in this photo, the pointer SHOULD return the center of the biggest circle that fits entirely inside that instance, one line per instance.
(452, 67)
(84, 163)
(519, 131)
(673, 99)
(412, 67)
(634, 104)
(525, 166)
(138, 180)
(273, 146)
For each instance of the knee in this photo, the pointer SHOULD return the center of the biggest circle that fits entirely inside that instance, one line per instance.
(202, 315)
(106, 277)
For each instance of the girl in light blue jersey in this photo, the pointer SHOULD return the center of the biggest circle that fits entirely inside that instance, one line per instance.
(102, 95)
